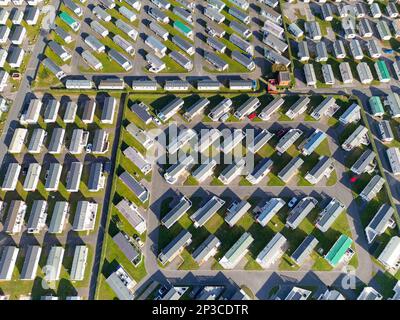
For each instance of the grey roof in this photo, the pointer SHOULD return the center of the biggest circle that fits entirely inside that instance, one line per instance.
(144, 84)
(99, 28)
(303, 51)
(290, 169)
(7, 262)
(237, 212)
(15, 54)
(155, 44)
(141, 110)
(181, 240)
(298, 107)
(316, 173)
(176, 84)
(204, 213)
(61, 33)
(204, 170)
(246, 46)
(125, 45)
(76, 144)
(51, 110)
(327, 10)
(250, 105)
(330, 213)
(70, 112)
(240, 28)
(304, 250)
(365, 27)
(58, 217)
(32, 176)
(53, 176)
(120, 59)
(176, 212)
(181, 59)
(131, 213)
(385, 130)
(338, 48)
(112, 83)
(54, 263)
(241, 83)
(158, 30)
(126, 247)
(72, 6)
(214, 84)
(271, 107)
(288, 140)
(56, 48)
(327, 73)
(239, 14)
(170, 109)
(100, 141)
(17, 32)
(89, 108)
(85, 216)
(136, 187)
(32, 112)
(372, 188)
(37, 216)
(300, 211)
(273, 248)
(275, 57)
(309, 73)
(158, 13)
(53, 67)
(260, 140)
(215, 60)
(321, 51)
(4, 32)
(326, 107)
(74, 176)
(119, 286)
(260, 170)
(79, 263)
(379, 222)
(268, 211)
(365, 160)
(205, 247)
(31, 263)
(15, 216)
(216, 44)
(11, 176)
(196, 108)
(95, 176)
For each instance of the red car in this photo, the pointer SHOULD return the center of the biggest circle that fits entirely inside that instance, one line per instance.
(353, 179)
(252, 116)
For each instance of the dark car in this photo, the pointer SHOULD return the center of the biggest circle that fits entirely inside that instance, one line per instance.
(107, 166)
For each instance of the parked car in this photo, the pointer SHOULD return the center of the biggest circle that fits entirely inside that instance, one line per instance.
(252, 116)
(107, 166)
(292, 202)
(224, 117)
(387, 51)
(138, 240)
(156, 121)
(89, 148)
